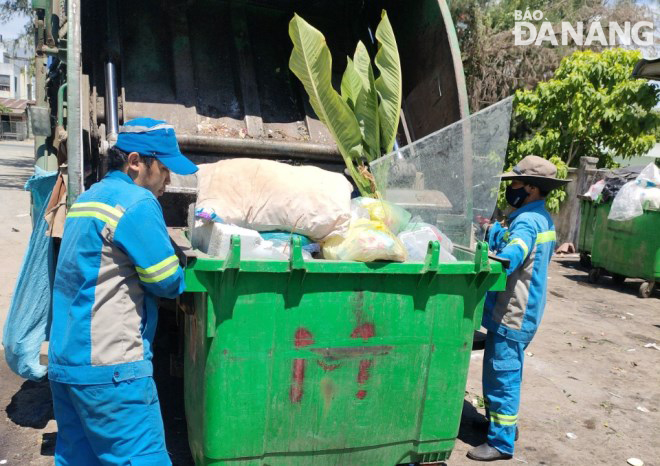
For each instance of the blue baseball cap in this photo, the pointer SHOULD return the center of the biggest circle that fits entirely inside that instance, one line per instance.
(154, 138)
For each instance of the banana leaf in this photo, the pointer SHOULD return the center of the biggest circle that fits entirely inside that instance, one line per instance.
(350, 84)
(388, 83)
(366, 106)
(311, 62)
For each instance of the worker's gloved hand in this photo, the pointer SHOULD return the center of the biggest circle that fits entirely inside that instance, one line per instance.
(495, 236)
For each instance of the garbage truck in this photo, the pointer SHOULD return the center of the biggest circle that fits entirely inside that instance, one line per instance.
(289, 362)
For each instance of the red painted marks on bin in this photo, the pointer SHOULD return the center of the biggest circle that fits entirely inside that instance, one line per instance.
(327, 367)
(296, 392)
(364, 331)
(363, 373)
(302, 338)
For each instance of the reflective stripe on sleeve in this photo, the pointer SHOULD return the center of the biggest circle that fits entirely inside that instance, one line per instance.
(521, 243)
(160, 271)
(546, 237)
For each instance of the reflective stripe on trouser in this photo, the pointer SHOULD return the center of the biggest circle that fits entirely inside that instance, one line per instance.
(109, 424)
(502, 376)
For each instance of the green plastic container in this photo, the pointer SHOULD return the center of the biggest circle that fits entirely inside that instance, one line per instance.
(327, 362)
(629, 249)
(587, 227)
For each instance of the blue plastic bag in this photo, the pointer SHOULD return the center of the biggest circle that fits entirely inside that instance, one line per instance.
(28, 320)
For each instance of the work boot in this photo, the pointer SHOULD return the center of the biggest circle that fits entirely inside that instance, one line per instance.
(485, 452)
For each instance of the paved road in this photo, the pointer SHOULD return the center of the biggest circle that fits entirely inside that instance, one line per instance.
(27, 433)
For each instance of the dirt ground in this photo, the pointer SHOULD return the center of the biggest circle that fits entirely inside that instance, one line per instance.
(587, 372)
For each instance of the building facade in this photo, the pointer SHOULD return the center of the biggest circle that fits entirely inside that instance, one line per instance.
(17, 86)
(16, 79)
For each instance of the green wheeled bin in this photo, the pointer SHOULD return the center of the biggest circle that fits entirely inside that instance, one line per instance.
(629, 249)
(588, 209)
(328, 362)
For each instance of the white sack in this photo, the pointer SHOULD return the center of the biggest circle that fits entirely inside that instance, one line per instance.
(264, 195)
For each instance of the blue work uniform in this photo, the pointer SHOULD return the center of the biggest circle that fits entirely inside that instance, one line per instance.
(512, 317)
(114, 260)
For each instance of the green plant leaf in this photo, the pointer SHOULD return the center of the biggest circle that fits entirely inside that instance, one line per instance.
(388, 83)
(350, 84)
(311, 62)
(366, 106)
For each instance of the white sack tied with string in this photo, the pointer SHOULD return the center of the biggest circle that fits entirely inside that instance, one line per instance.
(265, 195)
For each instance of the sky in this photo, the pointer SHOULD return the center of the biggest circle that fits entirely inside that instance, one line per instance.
(13, 28)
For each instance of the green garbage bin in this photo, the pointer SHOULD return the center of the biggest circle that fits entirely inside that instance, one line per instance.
(328, 362)
(629, 249)
(587, 227)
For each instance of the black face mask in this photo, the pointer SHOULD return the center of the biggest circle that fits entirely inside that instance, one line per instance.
(516, 197)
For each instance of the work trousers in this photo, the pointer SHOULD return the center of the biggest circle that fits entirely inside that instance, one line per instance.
(502, 376)
(109, 424)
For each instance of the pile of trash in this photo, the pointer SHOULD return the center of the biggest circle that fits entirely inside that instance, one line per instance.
(267, 203)
(633, 189)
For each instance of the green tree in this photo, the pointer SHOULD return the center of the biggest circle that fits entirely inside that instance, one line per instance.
(495, 67)
(10, 9)
(592, 107)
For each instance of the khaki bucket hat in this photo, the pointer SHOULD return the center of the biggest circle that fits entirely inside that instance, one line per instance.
(536, 171)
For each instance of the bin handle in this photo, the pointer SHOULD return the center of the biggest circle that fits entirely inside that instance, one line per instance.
(481, 263)
(233, 260)
(296, 260)
(432, 259)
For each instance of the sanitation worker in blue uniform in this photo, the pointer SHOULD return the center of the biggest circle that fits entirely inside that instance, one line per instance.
(513, 316)
(115, 259)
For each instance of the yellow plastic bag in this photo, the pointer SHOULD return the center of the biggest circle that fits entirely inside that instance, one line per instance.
(366, 241)
(394, 217)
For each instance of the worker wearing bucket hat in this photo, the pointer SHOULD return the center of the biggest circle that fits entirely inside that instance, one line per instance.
(115, 259)
(513, 316)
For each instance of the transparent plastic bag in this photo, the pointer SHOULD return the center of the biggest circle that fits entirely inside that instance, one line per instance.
(649, 177)
(416, 238)
(278, 250)
(366, 241)
(357, 211)
(595, 190)
(281, 241)
(394, 217)
(628, 202)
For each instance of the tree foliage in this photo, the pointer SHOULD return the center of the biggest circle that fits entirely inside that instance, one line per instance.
(10, 9)
(495, 67)
(592, 107)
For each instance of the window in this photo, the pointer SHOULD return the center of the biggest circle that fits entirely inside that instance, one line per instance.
(5, 82)
(29, 92)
